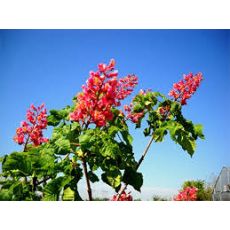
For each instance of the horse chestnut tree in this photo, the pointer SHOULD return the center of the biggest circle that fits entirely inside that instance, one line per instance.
(93, 135)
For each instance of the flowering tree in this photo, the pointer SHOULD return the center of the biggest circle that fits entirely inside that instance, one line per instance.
(93, 134)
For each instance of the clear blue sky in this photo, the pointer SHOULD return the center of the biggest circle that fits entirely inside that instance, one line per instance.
(51, 65)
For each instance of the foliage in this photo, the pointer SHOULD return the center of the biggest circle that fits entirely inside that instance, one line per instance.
(93, 136)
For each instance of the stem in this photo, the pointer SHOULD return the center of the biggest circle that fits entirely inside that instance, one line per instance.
(87, 179)
(144, 153)
(66, 156)
(76, 144)
(138, 165)
(25, 146)
(34, 183)
(44, 180)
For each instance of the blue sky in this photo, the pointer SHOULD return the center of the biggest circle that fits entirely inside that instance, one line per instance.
(51, 65)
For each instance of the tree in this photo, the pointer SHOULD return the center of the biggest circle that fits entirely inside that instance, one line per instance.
(93, 134)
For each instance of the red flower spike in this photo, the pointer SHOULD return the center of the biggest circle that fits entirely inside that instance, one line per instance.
(31, 130)
(185, 88)
(102, 92)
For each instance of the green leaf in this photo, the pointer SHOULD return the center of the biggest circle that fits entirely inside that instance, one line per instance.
(158, 94)
(159, 134)
(75, 126)
(54, 118)
(175, 107)
(2, 158)
(68, 194)
(173, 128)
(110, 149)
(186, 142)
(138, 108)
(147, 131)
(147, 103)
(93, 177)
(17, 190)
(133, 178)
(87, 140)
(62, 146)
(127, 137)
(113, 130)
(19, 161)
(112, 178)
(182, 137)
(53, 188)
(199, 131)
(5, 195)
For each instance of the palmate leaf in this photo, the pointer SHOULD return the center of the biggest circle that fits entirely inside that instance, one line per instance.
(19, 161)
(110, 149)
(56, 116)
(112, 178)
(133, 178)
(159, 134)
(186, 139)
(62, 146)
(93, 177)
(187, 142)
(87, 140)
(53, 188)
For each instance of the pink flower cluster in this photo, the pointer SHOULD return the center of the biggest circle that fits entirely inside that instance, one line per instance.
(103, 90)
(185, 88)
(187, 194)
(123, 197)
(31, 130)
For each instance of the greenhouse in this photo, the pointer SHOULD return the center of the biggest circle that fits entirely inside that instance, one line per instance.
(221, 191)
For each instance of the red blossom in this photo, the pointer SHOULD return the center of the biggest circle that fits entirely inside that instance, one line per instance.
(123, 197)
(185, 88)
(187, 194)
(102, 92)
(31, 130)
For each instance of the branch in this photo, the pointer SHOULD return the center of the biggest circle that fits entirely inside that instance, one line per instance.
(138, 165)
(44, 180)
(87, 179)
